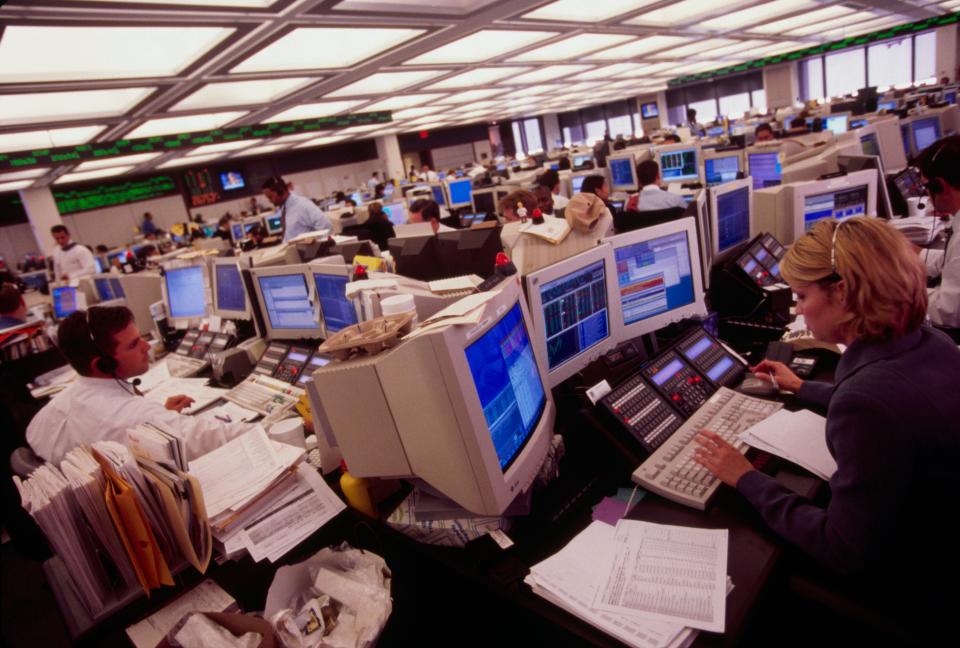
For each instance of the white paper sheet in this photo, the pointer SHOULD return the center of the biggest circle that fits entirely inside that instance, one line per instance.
(800, 437)
(205, 597)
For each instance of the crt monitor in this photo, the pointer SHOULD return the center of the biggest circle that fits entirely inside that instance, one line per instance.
(570, 304)
(583, 161)
(480, 438)
(396, 212)
(576, 183)
(731, 215)
(854, 194)
(468, 251)
(649, 110)
(273, 224)
(458, 193)
(236, 232)
(184, 291)
(331, 282)
(719, 168)
(623, 172)
(108, 287)
(679, 162)
(836, 124)
(416, 257)
(870, 144)
(36, 280)
(484, 201)
(64, 301)
(229, 295)
(658, 277)
(924, 131)
(887, 105)
(283, 296)
(764, 166)
(849, 163)
(840, 204)
(439, 195)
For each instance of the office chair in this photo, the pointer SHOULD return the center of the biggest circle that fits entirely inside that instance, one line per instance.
(627, 221)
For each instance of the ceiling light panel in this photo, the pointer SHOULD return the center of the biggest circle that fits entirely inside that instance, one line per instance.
(14, 186)
(403, 101)
(320, 141)
(185, 124)
(31, 53)
(855, 20)
(698, 48)
(123, 160)
(571, 47)
(647, 45)
(479, 76)
(23, 175)
(470, 95)
(481, 46)
(588, 12)
(260, 150)
(756, 14)
(314, 110)
(384, 82)
(778, 48)
(739, 46)
(91, 175)
(37, 107)
(548, 73)
(186, 161)
(298, 137)
(808, 18)
(681, 13)
(608, 71)
(42, 139)
(411, 113)
(325, 47)
(249, 4)
(223, 147)
(860, 28)
(241, 93)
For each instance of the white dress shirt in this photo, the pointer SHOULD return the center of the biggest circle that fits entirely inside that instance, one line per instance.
(103, 409)
(300, 216)
(445, 228)
(75, 262)
(944, 300)
(653, 198)
(560, 201)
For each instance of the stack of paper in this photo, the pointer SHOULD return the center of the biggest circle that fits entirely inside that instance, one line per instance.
(156, 442)
(260, 497)
(799, 437)
(195, 388)
(921, 230)
(553, 230)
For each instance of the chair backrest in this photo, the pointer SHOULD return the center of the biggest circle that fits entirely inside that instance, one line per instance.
(627, 221)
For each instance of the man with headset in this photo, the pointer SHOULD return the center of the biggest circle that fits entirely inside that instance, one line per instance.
(104, 346)
(298, 215)
(939, 165)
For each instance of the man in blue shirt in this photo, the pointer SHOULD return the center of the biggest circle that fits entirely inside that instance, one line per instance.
(298, 215)
(651, 196)
(13, 311)
(147, 226)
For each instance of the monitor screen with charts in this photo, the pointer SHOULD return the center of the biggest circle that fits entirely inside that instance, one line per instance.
(229, 295)
(733, 215)
(765, 169)
(185, 292)
(679, 165)
(286, 302)
(64, 301)
(338, 311)
(721, 169)
(623, 173)
(841, 205)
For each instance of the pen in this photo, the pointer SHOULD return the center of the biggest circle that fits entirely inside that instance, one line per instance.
(773, 379)
(225, 418)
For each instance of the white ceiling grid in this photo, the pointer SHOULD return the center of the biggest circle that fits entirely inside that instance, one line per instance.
(78, 71)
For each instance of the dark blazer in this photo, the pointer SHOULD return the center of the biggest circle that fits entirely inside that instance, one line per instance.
(893, 426)
(380, 233)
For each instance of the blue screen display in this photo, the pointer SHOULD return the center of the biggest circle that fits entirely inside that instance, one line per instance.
(654, 276)
(578, 183)
(230, 180)
(733, 218)
(287, 302)
(717, 370)
(702, 345)
(677, 166)
(438, 194)
(765, 169)
(104, 289)
(117, 288)
(575, 313)
(508, 384)
(925, 132)
(621, 172)
(460, 192)
(886, 105)
(230, 295)
(237, 229)
(667, 372)
(338, 311)
(185, 292)
(720, 170)
(64, 301)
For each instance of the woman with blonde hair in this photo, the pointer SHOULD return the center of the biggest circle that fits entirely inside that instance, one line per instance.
(893, 422)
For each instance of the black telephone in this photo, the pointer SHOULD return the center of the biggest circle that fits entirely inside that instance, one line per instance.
(197, 343)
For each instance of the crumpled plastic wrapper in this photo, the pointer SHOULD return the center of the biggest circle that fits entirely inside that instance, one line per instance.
(199, 631)
(339, 598)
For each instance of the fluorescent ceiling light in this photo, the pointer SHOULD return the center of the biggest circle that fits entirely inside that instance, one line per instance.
(403, 101)
(185, 124)
(260, 150)
(410, 113)
(428, 126)
(90, 175)
(354, 130)
(222, 147)
(680, 12)
(639, 47)
(778, 48)
(426, 120)
(571, 47)
(582, 11)
(471, 95)
(241, 93)
(739, 46)
(30, 53)
(481, 46)
(14, 186)
(384, 82)
(308, 48)
(694, 49)
(22, 175)
(821, 27)
(808, 18)
(548, 73)
(36, 107)
(122, 160)
(756, 14)
(320, 141)
(42, 139)
(485, 105)
(529, 90)
(831, 33)
(298, 137)
(250, 4)
(313, 111)
(608, 71)
(186, 161)
(477, 77)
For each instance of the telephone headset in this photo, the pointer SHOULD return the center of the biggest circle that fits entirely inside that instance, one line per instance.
(106, 363)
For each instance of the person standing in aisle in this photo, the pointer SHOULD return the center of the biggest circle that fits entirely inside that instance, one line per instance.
(70, 260)
(297, 214)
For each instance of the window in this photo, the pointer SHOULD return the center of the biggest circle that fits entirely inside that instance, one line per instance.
(706, 110)
(925, 61)
(889, 63)
(811, 73)
(620, 126)
(518, 137)
(531, 129)
(846, 72)
(733, 106)
(595, 130)
(758, 99)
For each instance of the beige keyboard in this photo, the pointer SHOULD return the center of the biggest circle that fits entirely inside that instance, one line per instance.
(671, 471)
(265, 395)
(181, 366)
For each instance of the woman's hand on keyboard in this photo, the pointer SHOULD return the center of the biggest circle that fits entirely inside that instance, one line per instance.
(178, 403)
(720, 458)
(785, 379)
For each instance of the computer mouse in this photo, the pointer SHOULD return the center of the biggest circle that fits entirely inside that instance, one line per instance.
(754, 386)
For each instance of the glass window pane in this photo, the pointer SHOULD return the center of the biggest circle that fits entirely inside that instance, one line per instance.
(889, 63)
(758, 99)
(595, 130)
(706, 110)
(734, 106)
(620, 126)
(517, 140)
(845, 72)
(813, 78)
(531, 128)
(925, 67)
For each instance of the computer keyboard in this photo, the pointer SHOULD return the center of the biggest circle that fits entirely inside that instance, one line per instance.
(181, 366)
(265, 395)
(671, 471)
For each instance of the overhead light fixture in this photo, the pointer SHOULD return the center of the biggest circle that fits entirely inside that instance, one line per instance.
(35, 53)
(832, 33)
(608, 71)
(477, 77)
(92, 175)
(587, 12)
(470, 95)
(223, 147)
(400, 102)
(249, 4)
(321, 141)
(571, 47)
(777, 48)
(698, 48)
(756, 14)
(739, 46)
(548, 73)
(298, 137)
(184, 124)
(481, 46)
(411, 113)
(260, 150)
(22, 175)
(121, 160)
(15, 186)
(44, 139)
(308, 48)
(639, 47)
(34, 107)
(313, 111)
(383, 82)
(857, 20)
(241, 93)
(679, 13)
(187, 161)
(809, 18)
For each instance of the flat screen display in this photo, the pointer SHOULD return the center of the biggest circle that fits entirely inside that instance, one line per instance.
(231, 180)
(649, 110)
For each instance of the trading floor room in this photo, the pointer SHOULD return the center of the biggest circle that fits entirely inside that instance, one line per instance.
(451, 322)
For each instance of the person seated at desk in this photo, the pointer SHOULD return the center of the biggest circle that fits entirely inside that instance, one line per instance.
(651, 197)
(13, 310)
(223, 228)
(297, 214)
(380, 227)
(147, 226)
(893, 422)
(425, 210)
(672, 138)
(551, 180)
(939, 166)
(598, 186)
(764, 133)
(545, 202)
(104, 346)
(696, 128)
(70, 260)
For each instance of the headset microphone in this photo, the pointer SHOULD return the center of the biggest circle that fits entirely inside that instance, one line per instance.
(135, 382)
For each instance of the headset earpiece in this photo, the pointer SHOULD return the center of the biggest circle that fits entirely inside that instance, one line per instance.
(107, 365)
(935, 186)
